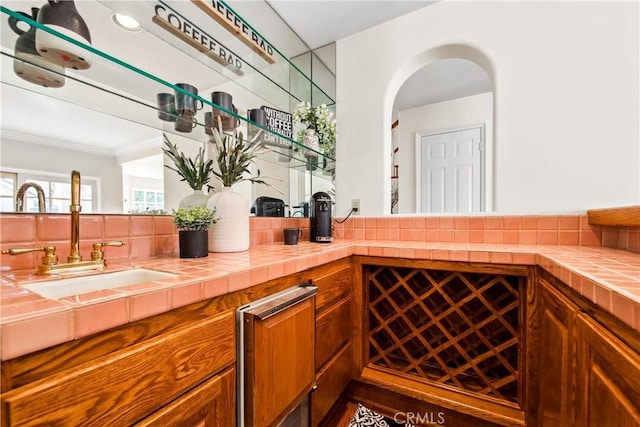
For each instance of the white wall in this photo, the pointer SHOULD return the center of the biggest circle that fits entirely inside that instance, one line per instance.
(565, 76)
(471, 110)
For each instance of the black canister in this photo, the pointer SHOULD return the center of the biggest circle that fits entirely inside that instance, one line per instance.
(320, 211)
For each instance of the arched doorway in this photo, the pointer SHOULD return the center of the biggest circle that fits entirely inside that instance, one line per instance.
(442, 133)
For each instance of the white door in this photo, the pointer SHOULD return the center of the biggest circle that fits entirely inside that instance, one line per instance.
(449, 171)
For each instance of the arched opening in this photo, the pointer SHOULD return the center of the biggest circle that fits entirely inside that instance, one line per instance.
(442, 135)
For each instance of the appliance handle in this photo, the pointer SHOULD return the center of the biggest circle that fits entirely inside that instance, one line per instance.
(271, 308)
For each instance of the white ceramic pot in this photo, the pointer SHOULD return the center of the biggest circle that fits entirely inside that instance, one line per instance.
(197, 199)
(63, 17)
(231, 232)
(312, 141)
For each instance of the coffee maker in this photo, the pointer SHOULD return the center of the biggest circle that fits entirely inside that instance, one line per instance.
(320, 212)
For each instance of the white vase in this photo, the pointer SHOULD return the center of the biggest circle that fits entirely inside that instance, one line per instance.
(312, 141)
(231, 232)
(197, 199)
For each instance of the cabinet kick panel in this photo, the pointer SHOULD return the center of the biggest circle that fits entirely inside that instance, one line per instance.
(454, 328)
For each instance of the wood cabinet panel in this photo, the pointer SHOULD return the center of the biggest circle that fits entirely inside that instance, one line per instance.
(332, 381)
(608, 379)
(627, 216)
(277, 373)
(208, 405)
(557, 362)
(122, 388)
(333, 330)
(332, 288)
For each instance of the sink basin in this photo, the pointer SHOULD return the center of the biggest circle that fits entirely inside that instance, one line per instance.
(60, 288)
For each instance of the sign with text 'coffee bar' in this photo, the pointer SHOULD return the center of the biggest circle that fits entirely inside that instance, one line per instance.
(234, 24)
(279, 122)
(174, 23)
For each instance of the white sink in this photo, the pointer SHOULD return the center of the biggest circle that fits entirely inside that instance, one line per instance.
(60, 288)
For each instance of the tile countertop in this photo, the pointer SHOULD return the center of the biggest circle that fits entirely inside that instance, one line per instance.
(28, 322)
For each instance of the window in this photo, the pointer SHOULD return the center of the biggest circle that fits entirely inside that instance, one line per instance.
(57, 192)
(8, 189)
(145, 200)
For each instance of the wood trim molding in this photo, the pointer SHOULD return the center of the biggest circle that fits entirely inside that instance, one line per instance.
(464, 403)
(627, 216)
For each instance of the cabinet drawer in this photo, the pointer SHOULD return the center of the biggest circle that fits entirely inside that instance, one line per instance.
(208, 405)
(333, 330)
(125, 386)
(332, 288)
(331, 383)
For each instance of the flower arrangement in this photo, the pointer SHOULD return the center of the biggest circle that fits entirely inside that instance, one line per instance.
(234, 155)
(195, 172)
(318, 119)
(194, 218)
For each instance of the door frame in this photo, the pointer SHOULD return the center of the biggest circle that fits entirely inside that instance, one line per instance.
(418, 160)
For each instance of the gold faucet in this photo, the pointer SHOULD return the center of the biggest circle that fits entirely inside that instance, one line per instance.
(75, 209)
(74, 262)
(22, 191)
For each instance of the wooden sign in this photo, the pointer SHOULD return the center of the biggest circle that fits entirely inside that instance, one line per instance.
(235, 24)
(196, 38)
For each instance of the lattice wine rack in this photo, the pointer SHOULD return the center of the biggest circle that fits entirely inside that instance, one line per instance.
(448, 327)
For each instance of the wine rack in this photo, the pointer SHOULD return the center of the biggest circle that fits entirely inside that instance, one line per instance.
(455, 328)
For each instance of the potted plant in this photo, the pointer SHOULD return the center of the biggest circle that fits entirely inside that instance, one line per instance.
(233, 155)
(193, 224)
(195, 172)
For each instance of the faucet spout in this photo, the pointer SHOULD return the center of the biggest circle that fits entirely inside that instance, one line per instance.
(22, 192)
(75, 209)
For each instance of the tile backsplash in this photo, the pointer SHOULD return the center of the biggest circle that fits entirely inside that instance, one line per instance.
(516, 229)
(147, 235)
(144, 235)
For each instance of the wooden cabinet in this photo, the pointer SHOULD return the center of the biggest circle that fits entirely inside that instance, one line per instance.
(557, 361)
(278, 362)
(176, 368)
(608, 378)
(334, 329)
(208, 405)
(125, 386)
(587, 376)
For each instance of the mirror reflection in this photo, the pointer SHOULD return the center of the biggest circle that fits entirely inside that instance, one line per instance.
(104, 121)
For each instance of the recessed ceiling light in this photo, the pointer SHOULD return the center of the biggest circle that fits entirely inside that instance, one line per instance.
(126, 22)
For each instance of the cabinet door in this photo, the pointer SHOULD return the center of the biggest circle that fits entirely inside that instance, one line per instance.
(608, 378)
(208, 405)
(331, 383)
(279, 362)
(557, 358)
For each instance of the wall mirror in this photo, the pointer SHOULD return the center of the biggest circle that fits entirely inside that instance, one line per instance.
(442, 153)
(104, 120)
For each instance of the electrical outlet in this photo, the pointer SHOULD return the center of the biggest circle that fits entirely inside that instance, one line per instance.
(355, 206)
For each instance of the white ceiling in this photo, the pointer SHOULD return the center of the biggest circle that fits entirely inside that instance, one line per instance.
(319, 23)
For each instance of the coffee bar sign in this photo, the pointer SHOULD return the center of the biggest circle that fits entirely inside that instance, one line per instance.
(279, 122)
(176, 24)
(233, 23)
